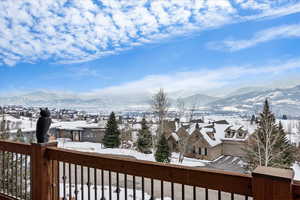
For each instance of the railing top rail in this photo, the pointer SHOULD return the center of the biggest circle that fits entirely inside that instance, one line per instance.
(206, 178)
(15, 147)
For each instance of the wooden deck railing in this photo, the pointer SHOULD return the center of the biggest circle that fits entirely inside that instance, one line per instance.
(15, 178)
(61, 174)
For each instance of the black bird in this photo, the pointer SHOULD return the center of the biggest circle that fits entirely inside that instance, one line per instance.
(43, 125)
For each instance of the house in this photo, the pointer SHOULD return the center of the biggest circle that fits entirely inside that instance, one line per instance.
(79, 131)
(172, 140)
(212, 140)
(222, 121)
(202, 142)
(238, 132)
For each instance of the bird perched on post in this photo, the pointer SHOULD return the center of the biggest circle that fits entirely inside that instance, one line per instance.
(43, 125)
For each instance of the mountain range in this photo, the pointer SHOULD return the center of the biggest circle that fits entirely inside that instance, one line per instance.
(283, 101)
(250, 99)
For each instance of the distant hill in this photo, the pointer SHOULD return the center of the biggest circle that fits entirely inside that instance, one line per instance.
(199, 99)
(245, 90)
(52, 99)
(283, 101)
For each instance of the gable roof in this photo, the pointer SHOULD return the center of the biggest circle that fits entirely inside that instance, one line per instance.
(218, 131)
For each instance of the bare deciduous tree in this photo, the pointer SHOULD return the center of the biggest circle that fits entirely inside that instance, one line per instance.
(182, 145)
(193, 108)
(160, 104)
(182, 141)
(181, 107)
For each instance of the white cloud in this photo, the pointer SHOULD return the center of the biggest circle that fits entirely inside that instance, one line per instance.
(282, 8)
(197, 81)
(78, 31)
(274, 33)
(76, 73)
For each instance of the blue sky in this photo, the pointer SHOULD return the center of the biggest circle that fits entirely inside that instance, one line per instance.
(112, 47)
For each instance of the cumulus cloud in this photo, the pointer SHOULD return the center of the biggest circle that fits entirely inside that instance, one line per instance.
(274, 33)
(76, 31)
(197, 81)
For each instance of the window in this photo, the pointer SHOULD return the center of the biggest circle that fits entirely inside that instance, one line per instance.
(199, 151)
(240, 134)
(205, 151)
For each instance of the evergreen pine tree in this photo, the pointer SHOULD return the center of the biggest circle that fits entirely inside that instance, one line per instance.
(298, 154)
(162, 153)
(253, 119)
(268, 146)
(286, 151)
(4, 128)
(144, 141)
(111, 138)
(19, 136)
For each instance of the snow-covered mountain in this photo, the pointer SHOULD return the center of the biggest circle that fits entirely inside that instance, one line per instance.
(283, 101)
(199, 100)
(245, 90)
(76, 101)
(84, 101)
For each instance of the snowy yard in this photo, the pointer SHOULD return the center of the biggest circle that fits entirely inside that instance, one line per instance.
(97, 148)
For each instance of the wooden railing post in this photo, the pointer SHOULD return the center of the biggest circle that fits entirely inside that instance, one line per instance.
(41, 172)
(272, 183)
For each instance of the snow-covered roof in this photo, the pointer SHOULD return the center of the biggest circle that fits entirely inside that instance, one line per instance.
(218, 135)
(218, 131)
(207, 130)
(24, 123)
(74, 125)
(137, 126)
(177, 126)
(184, 119)
(192, 128)
(235, 127)
(175, 136)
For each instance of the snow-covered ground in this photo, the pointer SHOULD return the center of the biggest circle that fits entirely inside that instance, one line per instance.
(97, 148)
(296, 168)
